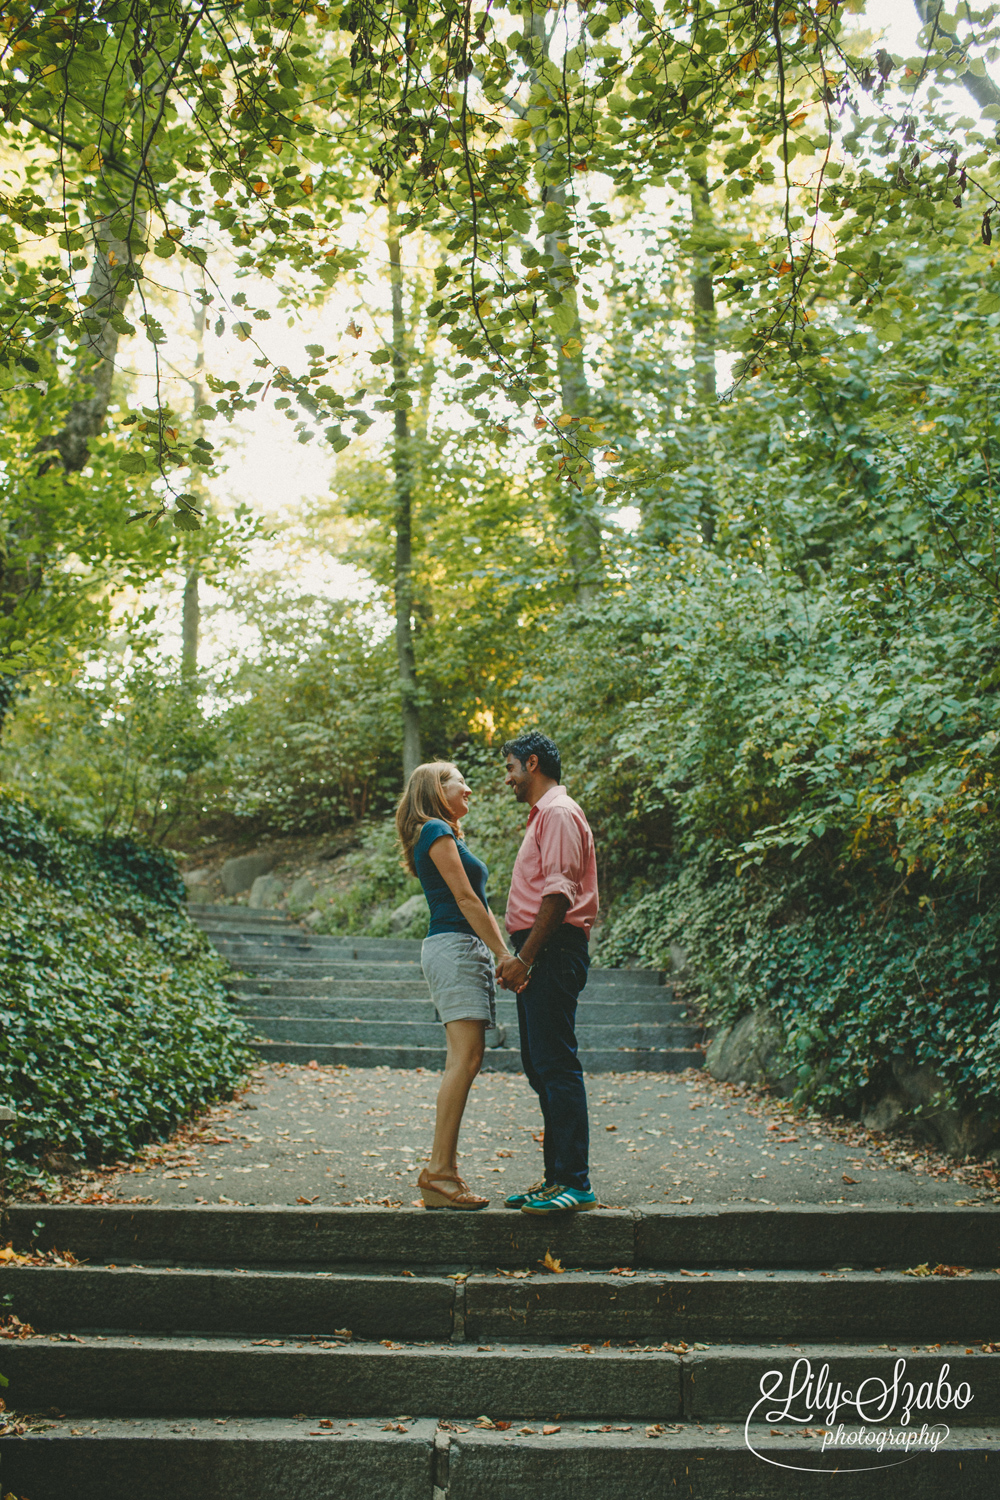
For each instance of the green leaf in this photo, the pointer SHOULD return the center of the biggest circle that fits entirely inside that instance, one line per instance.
(132, 463)
(562, 319)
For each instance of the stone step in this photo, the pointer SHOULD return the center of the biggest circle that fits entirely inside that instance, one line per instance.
(646, 1237)
(497, 1059)
(302, 960)
(361, 989)
(417, 989)
(355, 1008)
(261, 1304)
(588, 1306)
(607, 981)
(396, 971)
(406, 1034)
(254, 1458)
(258, 916)
(146, 1375)
(628, 1461)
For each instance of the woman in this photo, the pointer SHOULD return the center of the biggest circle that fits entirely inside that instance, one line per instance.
(455, 957)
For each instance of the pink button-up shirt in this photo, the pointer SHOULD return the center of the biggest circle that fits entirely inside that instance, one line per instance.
(556, 858)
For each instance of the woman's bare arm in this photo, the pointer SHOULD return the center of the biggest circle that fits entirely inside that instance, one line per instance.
(448, 862)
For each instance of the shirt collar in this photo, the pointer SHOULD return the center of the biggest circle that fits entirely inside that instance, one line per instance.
(547, 799)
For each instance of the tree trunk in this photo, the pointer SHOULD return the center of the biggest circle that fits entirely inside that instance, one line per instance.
(583, 528)
(703, 294)
(190, 622)
(110, 287)
(402, 458)
(982, 88)
(705, 324)
(584, 533)
(191, 611)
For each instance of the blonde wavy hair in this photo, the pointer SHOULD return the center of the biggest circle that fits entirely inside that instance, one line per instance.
(423, 798)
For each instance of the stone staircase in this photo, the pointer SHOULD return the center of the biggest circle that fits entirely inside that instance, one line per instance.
(364, 1002)
(374, 1354)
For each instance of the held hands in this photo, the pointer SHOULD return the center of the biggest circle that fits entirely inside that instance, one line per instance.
(512, 974)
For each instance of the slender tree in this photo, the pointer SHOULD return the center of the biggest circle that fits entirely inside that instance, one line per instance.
(403, 483)
(191, 609)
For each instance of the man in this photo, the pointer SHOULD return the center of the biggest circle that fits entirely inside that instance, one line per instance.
(551, 908)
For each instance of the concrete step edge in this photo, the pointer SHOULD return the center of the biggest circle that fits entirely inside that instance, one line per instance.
(497, 1059)
(695, 1237)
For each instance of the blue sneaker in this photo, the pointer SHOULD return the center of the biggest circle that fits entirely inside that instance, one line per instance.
(557, 1199)
(518, 1200)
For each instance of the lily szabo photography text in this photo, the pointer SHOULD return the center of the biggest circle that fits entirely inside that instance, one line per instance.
(499, 834)
(888, 1409)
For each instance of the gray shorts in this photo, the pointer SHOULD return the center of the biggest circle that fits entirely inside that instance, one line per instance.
(462, 976)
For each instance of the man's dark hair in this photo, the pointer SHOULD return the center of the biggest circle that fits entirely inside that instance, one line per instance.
(534, 743)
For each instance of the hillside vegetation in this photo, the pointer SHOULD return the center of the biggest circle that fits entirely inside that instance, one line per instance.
(629, 370)
(114, 1022)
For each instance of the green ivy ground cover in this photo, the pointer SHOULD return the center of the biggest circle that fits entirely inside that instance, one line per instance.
(114, 1020)
(857, 968)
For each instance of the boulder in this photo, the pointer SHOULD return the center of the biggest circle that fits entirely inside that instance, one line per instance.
(302, 895)
(679, 965)
(905, 1095)
(410, 910)
(240, 873)
(196, 877)
(918, 1099)
(59, 1162)
(496, 1036)
(885, 1111)
(749, 1051)
(267, 890)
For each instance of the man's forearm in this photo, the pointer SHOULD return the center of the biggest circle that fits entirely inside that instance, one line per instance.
(551, 915)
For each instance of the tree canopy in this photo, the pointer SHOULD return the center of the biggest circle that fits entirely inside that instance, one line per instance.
(659, 409)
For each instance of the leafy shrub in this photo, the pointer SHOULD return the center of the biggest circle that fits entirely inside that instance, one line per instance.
(856, 965)
(114, 1019)
(116, 750)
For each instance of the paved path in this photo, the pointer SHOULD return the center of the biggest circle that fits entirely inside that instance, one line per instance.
(341, 1135)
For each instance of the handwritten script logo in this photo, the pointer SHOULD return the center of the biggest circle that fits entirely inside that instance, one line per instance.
(884, 1408)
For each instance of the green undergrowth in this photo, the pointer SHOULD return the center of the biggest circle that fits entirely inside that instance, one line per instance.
(378, 884)
(858, 965)
(114, 1020)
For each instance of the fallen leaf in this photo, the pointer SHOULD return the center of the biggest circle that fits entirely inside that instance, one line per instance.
(551, 1263)
(852, 1181)
(548, 1431)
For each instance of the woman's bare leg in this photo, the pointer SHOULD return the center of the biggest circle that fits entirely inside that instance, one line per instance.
(466, 1043)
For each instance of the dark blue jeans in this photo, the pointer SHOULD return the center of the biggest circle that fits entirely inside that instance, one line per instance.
(546, 1017)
